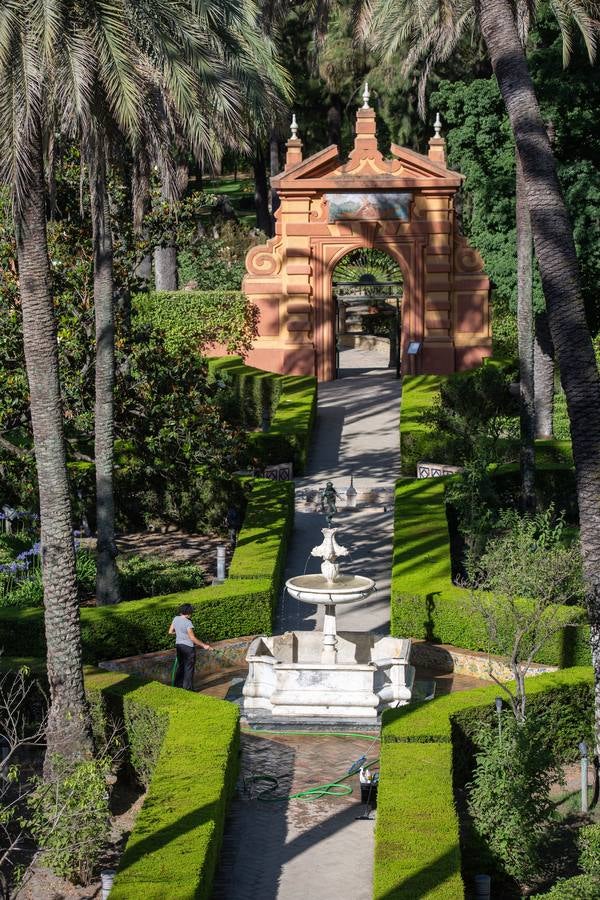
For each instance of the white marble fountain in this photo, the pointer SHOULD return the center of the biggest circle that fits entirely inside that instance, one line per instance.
(343, 676)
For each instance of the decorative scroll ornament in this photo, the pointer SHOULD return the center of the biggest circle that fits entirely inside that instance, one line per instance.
(467, 259)
(263, 260)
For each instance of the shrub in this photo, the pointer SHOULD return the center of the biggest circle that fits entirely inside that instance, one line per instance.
(254, 392)
(589, 849)
(581, 887)
(509, 797)
(190, 320)
(11, 545)
(70, 819)
(140, 576)
(173, 848)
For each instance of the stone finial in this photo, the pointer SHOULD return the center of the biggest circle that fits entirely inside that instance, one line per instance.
(366, 96)
(437, 144)
(294, 146)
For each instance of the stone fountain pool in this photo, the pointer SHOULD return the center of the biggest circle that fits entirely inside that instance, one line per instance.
(326, 675)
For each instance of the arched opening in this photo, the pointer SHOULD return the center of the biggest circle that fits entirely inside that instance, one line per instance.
(367, 288)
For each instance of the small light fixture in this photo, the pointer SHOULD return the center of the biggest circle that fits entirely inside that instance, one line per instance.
(351, 493)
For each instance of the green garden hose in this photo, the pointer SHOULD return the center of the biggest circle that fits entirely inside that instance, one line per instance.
(330, 789)
(174, 671)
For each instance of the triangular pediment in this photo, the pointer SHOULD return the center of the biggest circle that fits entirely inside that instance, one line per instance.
(366, 169)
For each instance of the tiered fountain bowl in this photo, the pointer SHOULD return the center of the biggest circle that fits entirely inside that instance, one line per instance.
(311, 675)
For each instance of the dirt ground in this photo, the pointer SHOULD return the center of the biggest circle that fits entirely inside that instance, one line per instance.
(200, 549)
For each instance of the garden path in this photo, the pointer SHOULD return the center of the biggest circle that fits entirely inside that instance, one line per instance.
(357, 433)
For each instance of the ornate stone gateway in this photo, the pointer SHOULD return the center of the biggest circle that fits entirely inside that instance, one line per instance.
(403, 206)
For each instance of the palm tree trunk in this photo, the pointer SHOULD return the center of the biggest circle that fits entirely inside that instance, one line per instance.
(555, 252)
(165, 258)
(141, 204)
(261, 191)
(107, 579)
(543, 378)
(68, 731)
(525, 343)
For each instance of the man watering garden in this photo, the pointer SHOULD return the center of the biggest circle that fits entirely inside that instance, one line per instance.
(185, 645)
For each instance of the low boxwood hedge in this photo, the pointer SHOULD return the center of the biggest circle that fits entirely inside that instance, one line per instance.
(173, 848)
(426, 752)
(417, 850)
(419, 393)
(256, 391)
(290, 401)
(243, 605)
(426, 605)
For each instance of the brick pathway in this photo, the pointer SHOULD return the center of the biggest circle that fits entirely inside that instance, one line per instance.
(298, 850)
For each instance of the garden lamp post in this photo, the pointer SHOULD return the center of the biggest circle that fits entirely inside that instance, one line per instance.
(583, 751)
(498, 703)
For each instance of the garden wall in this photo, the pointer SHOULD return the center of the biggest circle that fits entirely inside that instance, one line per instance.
(426, 751)
(424, 602)
(243, 605)
(173, 849)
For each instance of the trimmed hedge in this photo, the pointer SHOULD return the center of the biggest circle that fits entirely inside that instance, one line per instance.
(243, 605)
(419, 392)
(417, 830)
(255, 390)
(418, 442)
(291, 401)
(426, 605)
(192, 319)
(173, 848)
(292, 425)
(417, 851)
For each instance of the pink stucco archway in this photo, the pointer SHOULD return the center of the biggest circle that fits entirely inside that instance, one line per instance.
(404, 206)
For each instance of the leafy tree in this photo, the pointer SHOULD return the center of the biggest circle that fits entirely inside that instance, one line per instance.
(525, 572)
(509, 797)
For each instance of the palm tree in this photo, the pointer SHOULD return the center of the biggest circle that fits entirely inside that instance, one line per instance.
(175, 97)
(433, 29)
(22, 99)
(54, 59)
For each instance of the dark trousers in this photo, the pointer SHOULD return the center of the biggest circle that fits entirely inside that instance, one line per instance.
(186, 663)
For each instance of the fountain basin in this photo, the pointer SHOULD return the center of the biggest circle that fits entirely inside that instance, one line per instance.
(317, 589)
(287, 678)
